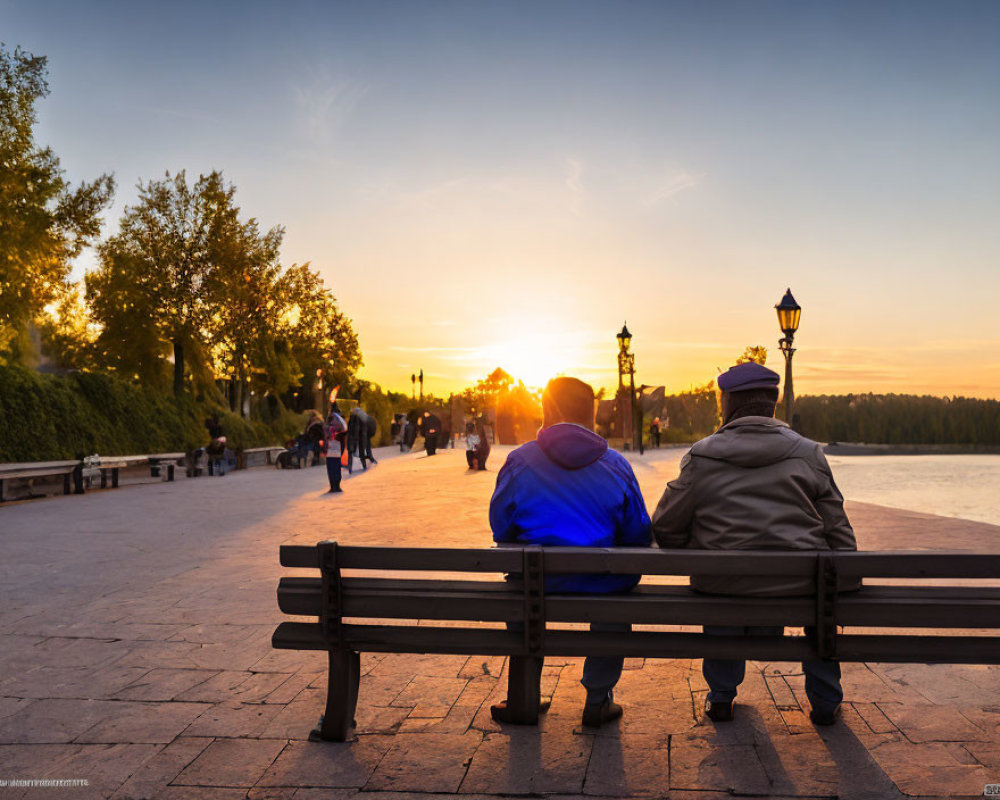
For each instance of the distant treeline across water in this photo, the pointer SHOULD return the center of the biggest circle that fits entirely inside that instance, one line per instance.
(898, 419)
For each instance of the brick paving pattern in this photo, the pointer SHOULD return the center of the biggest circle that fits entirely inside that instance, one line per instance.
(135, 653)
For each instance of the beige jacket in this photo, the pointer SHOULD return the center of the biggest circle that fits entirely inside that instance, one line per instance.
(754, 484)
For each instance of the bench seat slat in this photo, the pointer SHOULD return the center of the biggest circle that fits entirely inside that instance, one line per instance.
(480, 641)
(919, 649)
(28, 465)
(485, 641)
(37, 473)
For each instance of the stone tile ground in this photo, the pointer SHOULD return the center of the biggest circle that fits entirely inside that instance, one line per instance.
(135, 653)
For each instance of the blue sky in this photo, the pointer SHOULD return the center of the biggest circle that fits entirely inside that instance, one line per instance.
(489, 182)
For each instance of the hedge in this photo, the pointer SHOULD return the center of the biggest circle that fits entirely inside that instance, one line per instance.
(52, 417)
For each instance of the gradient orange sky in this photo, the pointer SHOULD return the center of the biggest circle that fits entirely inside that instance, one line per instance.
(505, 183)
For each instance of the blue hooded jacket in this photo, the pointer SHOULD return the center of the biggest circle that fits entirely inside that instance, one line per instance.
(568, 489)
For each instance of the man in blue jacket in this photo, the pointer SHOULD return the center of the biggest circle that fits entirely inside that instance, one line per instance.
(568, 489)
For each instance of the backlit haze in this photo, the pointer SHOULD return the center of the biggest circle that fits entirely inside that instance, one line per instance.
(492, 184)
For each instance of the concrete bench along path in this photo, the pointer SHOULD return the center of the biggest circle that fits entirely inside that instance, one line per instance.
(135, 654)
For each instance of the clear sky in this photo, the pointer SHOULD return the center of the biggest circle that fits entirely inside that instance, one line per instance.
(505, 183)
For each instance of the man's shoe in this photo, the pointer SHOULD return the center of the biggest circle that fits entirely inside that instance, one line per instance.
(596, 714)
(819, 717)
(719, 712)
(501, 713)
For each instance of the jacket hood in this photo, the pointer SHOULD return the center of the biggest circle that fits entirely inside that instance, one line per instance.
(749, 442)
(571, 446)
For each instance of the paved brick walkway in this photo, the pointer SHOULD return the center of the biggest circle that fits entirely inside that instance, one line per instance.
(134, 653)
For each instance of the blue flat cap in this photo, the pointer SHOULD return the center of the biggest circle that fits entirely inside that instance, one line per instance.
(748, 376)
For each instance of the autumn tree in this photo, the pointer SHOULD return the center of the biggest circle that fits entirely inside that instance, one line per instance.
(44, 223)
(156, 275)
(486, 392)
(67, 336)
(247, 304)
(756, 354)
(313, 332)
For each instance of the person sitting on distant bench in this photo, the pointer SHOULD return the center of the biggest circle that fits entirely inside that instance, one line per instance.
(567, 488)
(755, 484)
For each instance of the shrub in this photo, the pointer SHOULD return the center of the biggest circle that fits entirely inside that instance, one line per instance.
(52, 417)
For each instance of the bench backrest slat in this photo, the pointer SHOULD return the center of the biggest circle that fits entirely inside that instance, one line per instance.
(646, 561)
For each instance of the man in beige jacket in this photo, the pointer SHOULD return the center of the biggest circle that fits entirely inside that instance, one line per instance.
(755, 484)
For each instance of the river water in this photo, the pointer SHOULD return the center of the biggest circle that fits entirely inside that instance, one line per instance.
(963, 486)
(966, 486)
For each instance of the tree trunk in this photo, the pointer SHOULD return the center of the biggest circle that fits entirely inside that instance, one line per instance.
(178, 367)
(236, 383)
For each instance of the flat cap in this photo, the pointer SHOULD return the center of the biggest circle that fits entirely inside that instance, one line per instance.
(749, 375)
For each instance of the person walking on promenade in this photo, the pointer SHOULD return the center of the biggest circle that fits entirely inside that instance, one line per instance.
(654, 433)
(370, 432)
(483, 451)
(471, 445)
(357, 436)
(755, 484)
(215, 452)
(431, 428)
(568, 488)
(336, 432)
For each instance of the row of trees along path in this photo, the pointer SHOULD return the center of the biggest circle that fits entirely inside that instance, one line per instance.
(186, 275)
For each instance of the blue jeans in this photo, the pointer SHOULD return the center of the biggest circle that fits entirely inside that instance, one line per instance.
(333, 467)
(724, 675)
(600, 673)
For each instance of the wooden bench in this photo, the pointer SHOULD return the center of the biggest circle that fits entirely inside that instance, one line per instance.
(269, 453)
(160, 460)
(39, 469)
(365, 613)
(110, 465)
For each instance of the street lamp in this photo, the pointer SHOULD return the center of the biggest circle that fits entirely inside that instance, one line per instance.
(788, 320)
(626, 366)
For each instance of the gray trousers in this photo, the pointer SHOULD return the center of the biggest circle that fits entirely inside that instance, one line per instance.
(724, 675)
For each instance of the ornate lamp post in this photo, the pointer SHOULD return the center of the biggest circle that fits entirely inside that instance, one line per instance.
(626, 366)
(788, 320)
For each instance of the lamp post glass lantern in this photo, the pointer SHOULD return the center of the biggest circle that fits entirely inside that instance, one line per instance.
(789, 313)
(626, 366)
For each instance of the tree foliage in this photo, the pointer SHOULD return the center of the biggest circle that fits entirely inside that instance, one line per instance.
(159, 270)
(44, 223)
(694, 413)
(899, 419)
(186, 273)
(312, 331)
(753, 353)
(485, 394)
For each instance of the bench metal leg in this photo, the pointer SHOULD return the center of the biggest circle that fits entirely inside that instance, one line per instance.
(78, 479)
(170, 472)
(114, 478)
(524, 693)
(344, 676)
(3, 496)
(154, 470)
